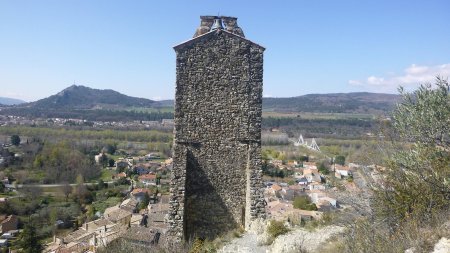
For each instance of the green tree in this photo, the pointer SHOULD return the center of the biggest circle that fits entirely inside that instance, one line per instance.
(323, 168)
(144, 202)
(101, 184)
(29, 239)
(111, 162)
(340, 159)
(417, 184)
(304, 203)
(15, 140)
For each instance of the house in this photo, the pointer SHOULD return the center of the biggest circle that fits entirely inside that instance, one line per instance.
(315, 195)
(312, 177)
(309, 165)
(308, 215)
(274, 189)
(123, 164)
(345, 171)
(139, 193)
(99, 158)
(287, 194)
(120, 175)
(141, 170)
(278, 209)
(310, 171)
(326, 204)
(148, 179)
(302, 181)
(332, 201)
(316, 186)
(9, 223)
(130, 205)
(152, 156)
(116, 215)
(292, 163)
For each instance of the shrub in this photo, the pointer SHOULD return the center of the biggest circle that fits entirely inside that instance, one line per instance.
(276, 228)
(304, 203)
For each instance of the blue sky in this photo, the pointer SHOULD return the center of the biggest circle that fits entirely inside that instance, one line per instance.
(311, 46)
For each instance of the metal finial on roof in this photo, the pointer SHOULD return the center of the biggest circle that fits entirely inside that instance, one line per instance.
(217, 24)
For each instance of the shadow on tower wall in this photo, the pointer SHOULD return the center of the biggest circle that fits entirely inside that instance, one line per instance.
(206, 214)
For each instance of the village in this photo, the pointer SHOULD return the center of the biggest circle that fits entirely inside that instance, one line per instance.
(304, 196)
(145, 209)
(11, 120)
(307, 194)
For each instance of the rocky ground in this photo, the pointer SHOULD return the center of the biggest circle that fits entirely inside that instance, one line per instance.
(297, 240)
(247, 243)
(301, 240)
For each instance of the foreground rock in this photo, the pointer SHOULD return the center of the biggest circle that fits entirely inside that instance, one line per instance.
(301, 240)
(298, 240)
(247, 243)
(443, 246)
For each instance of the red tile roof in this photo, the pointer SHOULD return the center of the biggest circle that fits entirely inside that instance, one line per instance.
(147, 176)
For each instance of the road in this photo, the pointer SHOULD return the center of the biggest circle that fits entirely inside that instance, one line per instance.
(54, 185)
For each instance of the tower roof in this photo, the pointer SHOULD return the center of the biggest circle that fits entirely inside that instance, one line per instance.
(214, 25)
(211, 34)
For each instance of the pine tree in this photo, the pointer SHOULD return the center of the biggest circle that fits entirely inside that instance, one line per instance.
(29, 240)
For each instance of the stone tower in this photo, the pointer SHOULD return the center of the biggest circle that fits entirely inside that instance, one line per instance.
(216, 183)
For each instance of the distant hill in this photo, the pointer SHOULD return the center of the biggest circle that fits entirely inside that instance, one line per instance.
(81, 97)
(83, 102)
(355, 102)
(10, 101)
(80, 102)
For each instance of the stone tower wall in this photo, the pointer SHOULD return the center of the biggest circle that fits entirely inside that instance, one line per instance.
(216, 183)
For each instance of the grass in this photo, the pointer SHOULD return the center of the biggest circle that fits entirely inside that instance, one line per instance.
(205, 246)
(106, 175)
(102, 205)
(52, 191)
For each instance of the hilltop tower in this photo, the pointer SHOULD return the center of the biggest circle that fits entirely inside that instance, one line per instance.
(216, 183)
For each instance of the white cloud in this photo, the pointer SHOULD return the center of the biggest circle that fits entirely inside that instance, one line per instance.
(412, 77)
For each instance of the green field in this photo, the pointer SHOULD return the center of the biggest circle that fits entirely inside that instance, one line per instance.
(312, 115)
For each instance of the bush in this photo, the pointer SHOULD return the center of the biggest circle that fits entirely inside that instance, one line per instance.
(304, 203)
(276, 228)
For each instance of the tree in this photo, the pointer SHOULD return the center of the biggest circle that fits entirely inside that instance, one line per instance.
(145, 200)
(323, 168)
(101, 184)
(29, 240)
(304, 203)
(111, 162)
(67, 189)
(340, 159)
(82, 194)
(416, 182)
(15, 140)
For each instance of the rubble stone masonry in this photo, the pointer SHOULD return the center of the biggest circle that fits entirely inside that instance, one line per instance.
(216, 183)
